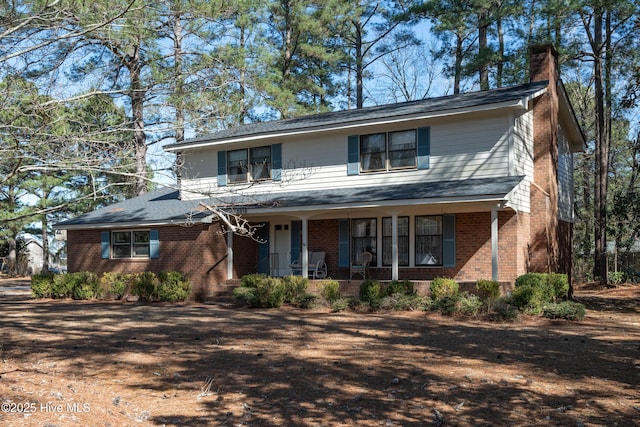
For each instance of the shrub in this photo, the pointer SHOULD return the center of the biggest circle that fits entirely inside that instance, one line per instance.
(488, 290)
(569, 310)
(115, 284)
(469, 304)
(330, 290)
(251, 280)
(244, 295)
(503, 309)
(443, 288)
(560, 285)
(531, 279)
(173, 286)
(370, 291)
(294, 288)
(404, 287)
(340, 304)
(306, 301)
(86, 285)
(42, 285)
(403, 302)
(145, 285)
(616, 277)
(62, 286)
(269, 292)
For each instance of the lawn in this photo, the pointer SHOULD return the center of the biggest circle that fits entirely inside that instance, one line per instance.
(68, 363)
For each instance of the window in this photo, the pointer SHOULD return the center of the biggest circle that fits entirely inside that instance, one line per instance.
(403, 241)
(429, 240)
(131, 244)
(253, 164)
(363, 238)
(388, 151)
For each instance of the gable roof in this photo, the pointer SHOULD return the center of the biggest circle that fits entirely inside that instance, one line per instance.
(513, 96)
(164, 207)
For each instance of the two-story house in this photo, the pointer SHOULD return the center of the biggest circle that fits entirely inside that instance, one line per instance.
(471, 186)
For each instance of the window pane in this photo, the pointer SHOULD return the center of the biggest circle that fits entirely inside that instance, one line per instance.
(121, 251)
(373, 152)
(429, 240)
(237, 166)
(260, 163)
(141, 237)
(121, 237)
(141, 250)
(363, 232)
(428, 225)
(402, 149)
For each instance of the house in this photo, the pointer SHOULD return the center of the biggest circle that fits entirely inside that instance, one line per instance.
(471, 186)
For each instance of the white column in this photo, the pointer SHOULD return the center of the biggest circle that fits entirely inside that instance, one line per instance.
(494, 243)
(394, 246)
(305, 248)
(229, 255)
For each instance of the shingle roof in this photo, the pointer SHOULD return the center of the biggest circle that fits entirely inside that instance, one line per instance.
(164, 206)
(337, 118)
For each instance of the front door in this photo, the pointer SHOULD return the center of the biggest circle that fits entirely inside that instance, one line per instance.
(281, 249)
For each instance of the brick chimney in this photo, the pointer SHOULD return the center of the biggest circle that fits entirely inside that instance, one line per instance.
(545, 255)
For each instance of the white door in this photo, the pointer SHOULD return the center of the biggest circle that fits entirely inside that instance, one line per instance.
(281, 249)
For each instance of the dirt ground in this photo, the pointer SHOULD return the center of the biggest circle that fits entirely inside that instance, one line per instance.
(71, 363)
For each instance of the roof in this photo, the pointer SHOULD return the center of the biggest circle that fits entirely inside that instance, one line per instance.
(162, 207)
(513, 95)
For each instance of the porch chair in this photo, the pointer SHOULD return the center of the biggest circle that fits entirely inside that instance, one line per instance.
(361, 266)
(317, 266)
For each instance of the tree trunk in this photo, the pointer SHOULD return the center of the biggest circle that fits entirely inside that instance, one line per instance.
(482, 49)
(137, 107)
(45, 244)
(601, 155)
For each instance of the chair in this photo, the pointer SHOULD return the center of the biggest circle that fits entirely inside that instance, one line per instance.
(317, 266)
(361, 266)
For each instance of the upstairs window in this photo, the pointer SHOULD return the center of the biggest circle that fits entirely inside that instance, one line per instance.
(388, 151)
(253, 164)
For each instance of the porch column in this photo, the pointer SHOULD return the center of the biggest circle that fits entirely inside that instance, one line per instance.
(394, 246)
(229, 255)
(305, 248)
(494, 243)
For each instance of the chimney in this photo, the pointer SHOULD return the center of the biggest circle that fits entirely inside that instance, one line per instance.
(543, 64)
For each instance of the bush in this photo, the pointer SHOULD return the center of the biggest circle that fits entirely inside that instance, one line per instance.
(404, 287)
(251, 280)
(115, 285)
(469, 305)
(330, 290)
(244, 295)
(265, 291)
(488, 290)
(370, 291)
(403, 302)
(295, 287)
(616, 277)
(340, 304)
(62, 286)
(173, 286)
(145, 285)
(503, 309)
(569, 310)
(560, 285)
(306, 301)
(42, 285)
(443, 288)
(86, 285)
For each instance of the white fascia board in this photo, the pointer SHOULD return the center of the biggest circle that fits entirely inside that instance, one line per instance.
(381, 204)
(132, 224)
(521, 103)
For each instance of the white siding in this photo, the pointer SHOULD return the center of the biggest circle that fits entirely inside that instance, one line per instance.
(522, 159)
(462, 147)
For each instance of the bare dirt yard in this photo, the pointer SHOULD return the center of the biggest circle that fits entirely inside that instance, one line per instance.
(72, 363)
